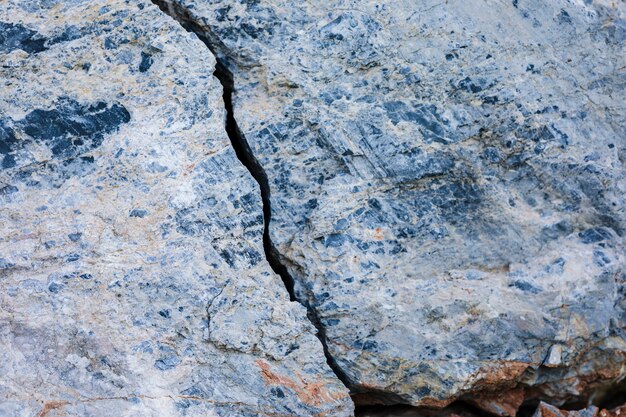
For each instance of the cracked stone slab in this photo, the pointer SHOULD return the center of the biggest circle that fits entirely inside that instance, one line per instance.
(447, 183)
(132, 275)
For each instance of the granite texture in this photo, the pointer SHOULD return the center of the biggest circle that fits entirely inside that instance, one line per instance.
(446, 181)
(132, 275)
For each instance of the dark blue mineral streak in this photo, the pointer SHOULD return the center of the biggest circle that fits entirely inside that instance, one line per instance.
(146, 62)
(525, 286)
(69, 129)
(594, 235)
(15, 36)
(8, 142)
(425, 115)
(138, 213)
(72, 128)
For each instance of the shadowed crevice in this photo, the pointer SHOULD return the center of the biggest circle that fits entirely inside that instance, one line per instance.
(247, 158)
(224, 69)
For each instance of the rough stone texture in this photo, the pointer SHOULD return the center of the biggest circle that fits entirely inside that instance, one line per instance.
(132, 275)
(505, 403)
(547, 410)
(542, 410)
(447, 183)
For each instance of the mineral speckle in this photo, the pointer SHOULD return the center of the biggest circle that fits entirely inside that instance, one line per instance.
(446, 183)
(440, 186)
(132, 280)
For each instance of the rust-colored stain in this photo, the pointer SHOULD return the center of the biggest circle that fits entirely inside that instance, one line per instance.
(378, 234)
(312, 393)
(616, 412)
(502, 371)
(546, 412)
(51, 405)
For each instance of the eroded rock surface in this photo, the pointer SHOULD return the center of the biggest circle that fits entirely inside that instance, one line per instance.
(132, 275)
(542, 410)
(447, 183)
(547, 410)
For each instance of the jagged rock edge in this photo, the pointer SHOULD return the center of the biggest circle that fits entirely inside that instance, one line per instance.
(247, 158)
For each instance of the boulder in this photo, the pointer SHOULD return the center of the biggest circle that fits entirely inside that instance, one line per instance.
(133, 280)
(446, 182)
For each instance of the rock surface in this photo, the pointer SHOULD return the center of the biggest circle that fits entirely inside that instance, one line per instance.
(547, 410)
(132, 275)
(542, 410)
(447, 183)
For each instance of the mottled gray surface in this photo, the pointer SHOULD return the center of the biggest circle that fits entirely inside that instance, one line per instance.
(132, 275)
(447, 182)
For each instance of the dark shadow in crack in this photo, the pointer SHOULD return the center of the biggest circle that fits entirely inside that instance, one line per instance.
(247, 158)
(223, 72)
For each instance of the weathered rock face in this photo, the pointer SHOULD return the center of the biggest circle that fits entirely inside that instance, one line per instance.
(547, 410)
(132, 273)
(447, 183)
(542, 410)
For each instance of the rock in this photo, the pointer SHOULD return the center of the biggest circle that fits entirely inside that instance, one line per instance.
(132, 274)
(615, 412)
(505, 403)
(446, 183)
(594, 375)
(547, 410)
(458, 410)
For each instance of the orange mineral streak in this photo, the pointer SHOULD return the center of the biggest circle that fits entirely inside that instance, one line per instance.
(616, 412)
(500, 372)
(51, 405)
(312, 393)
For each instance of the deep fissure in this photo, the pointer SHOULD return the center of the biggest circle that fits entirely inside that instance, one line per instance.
(389, 402)
(247, 158)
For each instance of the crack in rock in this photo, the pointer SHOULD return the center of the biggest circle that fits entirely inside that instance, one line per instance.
(247, 158)
(437, 201)
(131, 229)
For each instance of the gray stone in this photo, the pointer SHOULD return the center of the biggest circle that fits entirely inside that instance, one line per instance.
(447, 183)
(132, 275)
